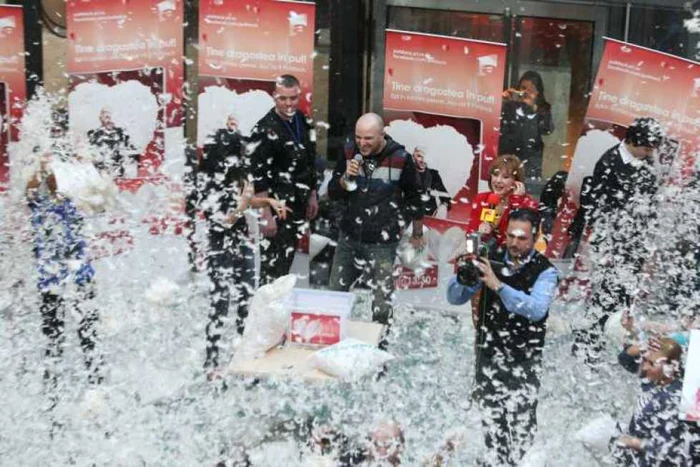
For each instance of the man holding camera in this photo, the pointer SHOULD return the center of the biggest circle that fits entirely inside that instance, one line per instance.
(519, 286)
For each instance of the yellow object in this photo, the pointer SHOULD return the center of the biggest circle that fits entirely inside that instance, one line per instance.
(489, 215)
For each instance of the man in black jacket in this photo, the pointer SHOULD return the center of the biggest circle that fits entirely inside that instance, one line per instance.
(386, 199)
(284, 145)
(111, 143)
(620, 211)
(230, 260)
(510, 333)
(435, 193)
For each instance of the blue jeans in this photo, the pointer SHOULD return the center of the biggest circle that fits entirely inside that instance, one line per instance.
(352, 258)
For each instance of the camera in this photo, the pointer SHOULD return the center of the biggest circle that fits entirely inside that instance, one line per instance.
(518, 95)
(467, 272)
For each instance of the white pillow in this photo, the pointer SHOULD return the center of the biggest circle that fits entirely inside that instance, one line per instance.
(350, 359)
(267, 320)
(596, 434)
(80, 181)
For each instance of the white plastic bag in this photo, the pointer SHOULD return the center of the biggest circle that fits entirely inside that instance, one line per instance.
(410, 257)
(350, 359)
(267, 320)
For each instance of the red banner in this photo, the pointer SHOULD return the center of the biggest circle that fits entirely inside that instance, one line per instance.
(125, 58)
(442, 96)
(444, 82)
(13, 87)
(246, 45)
(632, 82)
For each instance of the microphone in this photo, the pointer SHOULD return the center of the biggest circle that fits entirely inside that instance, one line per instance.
(351, 181)
(490, 215)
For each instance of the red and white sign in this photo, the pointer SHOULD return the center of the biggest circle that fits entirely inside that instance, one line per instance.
(126, 57)
(315, 329)
(258, 40)
(442, 95)
(632, 82)
(690, 400)
(13, 87)
(451, 87)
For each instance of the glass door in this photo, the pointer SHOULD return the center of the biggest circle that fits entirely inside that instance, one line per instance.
(561, 52)
(560, 42)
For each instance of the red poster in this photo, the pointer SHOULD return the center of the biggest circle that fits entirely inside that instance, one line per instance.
(125, 64)
(632, 82)
(439, 82)
(13, 90)
(442, 95)
(244, 46)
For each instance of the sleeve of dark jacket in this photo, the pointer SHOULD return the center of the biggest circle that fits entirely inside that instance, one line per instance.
(600, 183)
(411, 187)
(311, 154)
(262, 158)
(335, 189)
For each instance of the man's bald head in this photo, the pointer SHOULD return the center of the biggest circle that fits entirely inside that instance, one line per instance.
(369, 134)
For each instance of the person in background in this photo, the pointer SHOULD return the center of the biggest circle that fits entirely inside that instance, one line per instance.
(549, 200)
(227, 194)
(284, 143)
(111, 143)
(656, 435)
(435, 194)
(66, 274)
(490, 210)
(526, 117)
(620, 212)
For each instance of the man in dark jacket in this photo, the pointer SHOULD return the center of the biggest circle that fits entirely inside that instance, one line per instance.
(386, 199)
(620, 212)
(230, 260)
(111, 143)
(435, 193)
(511, 328)
(656, 435)
(284, 144)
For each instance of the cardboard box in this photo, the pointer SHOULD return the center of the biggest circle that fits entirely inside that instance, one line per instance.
(318, 317)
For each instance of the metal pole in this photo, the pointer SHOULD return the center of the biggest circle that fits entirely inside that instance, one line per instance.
(32, 44)
(628, 12)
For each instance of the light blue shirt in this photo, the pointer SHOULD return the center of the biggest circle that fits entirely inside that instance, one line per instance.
(532, 306)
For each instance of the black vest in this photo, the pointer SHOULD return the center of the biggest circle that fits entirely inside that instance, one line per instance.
(516, 337)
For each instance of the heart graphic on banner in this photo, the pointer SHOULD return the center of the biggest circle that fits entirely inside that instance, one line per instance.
(132, 104)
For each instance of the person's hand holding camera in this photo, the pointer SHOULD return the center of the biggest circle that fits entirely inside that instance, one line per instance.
(488, 277)
(486, 228)
(510, 93)
(529, 99)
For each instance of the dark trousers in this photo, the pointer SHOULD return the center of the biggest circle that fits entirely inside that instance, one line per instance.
(352, 258)
(231, 268)
(607, 297)
(53, 312)
(507, 395)
(277, 253)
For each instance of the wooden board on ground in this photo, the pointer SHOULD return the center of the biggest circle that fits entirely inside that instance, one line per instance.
(294, 361)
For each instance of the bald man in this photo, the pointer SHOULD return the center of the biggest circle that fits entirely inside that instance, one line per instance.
(381, 193)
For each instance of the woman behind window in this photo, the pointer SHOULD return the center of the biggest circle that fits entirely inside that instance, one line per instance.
(526, 116)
